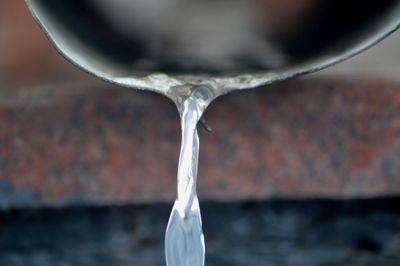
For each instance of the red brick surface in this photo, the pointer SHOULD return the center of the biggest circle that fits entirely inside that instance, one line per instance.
(311, 138)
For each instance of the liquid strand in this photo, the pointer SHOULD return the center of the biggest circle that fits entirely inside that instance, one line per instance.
(184, 240)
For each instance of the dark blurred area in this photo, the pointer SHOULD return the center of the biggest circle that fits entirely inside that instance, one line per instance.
(275, 233)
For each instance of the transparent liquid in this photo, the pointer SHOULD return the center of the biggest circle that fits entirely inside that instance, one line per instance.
(184, 240)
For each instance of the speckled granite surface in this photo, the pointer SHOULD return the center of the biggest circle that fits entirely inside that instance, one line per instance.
(98, 146)
(72, 145)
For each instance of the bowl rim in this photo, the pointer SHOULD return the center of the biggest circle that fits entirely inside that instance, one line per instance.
(161, 82)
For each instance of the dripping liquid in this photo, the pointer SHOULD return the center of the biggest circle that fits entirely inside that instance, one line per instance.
(184, 240)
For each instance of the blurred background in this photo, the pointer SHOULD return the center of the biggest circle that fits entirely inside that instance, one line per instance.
(310, 173)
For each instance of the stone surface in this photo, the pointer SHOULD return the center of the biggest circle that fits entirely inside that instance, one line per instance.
(298, 233)
(72, 145)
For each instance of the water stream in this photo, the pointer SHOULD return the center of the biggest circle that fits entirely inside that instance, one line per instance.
(184, 240)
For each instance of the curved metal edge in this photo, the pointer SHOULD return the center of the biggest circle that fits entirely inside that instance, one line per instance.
(246, 81)
(161, 82)
(157, 82)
